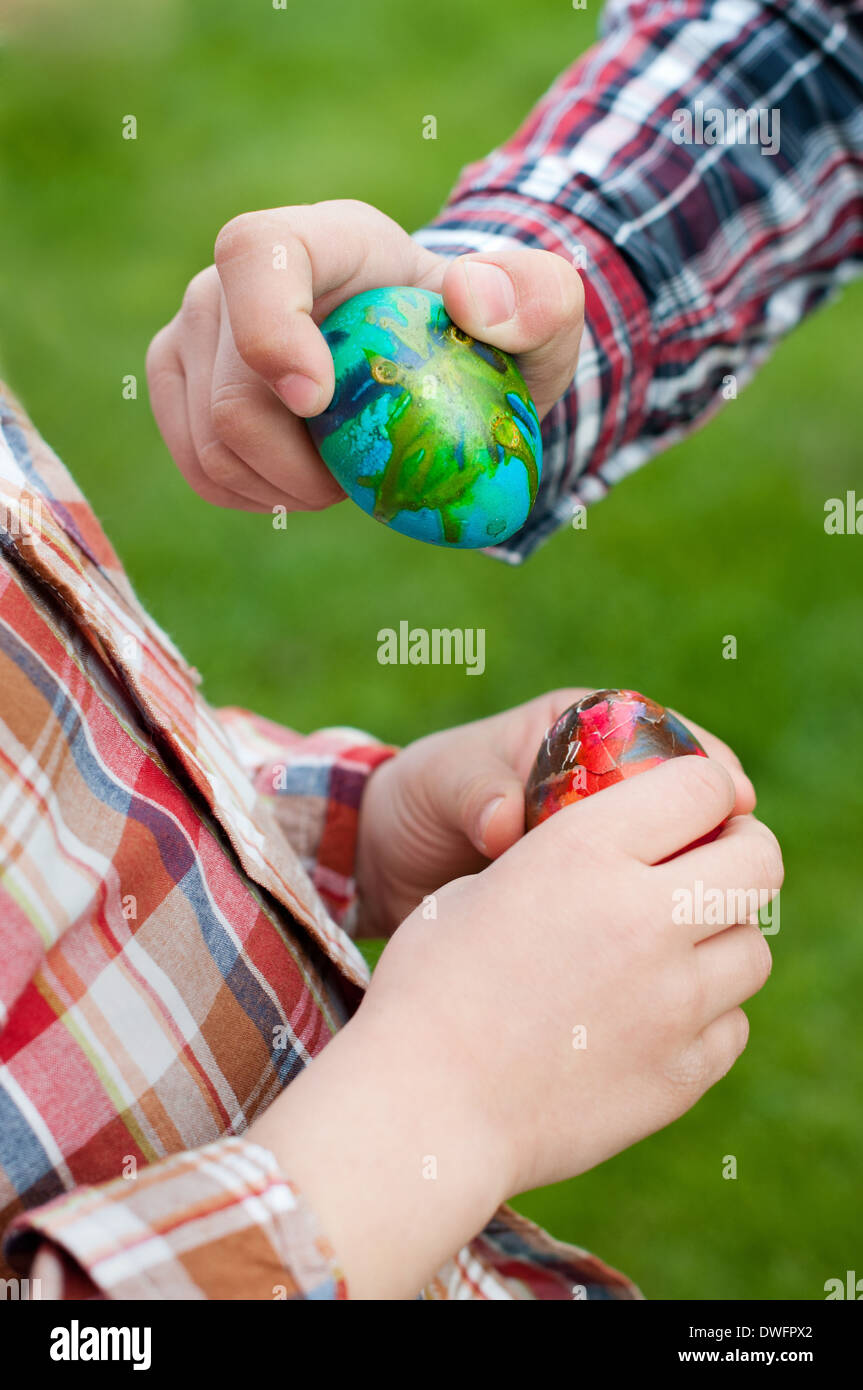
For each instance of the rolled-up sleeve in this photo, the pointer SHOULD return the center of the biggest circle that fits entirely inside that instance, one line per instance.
(219, 1222)
(314, 785)
(701, 167)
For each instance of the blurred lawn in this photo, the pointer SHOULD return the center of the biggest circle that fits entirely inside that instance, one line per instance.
(241, 107)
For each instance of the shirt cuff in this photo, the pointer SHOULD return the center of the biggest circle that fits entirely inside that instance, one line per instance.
(587, 433)
(314, 786)
(220, 1222)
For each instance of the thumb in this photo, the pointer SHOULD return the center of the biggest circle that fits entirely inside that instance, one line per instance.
(527, 302)
(484, 802)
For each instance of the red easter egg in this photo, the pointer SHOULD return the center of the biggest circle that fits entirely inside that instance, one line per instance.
(603, 739)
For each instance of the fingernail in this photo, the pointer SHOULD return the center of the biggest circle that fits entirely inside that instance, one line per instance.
(301, 394)
(492, 292)
(486, 818)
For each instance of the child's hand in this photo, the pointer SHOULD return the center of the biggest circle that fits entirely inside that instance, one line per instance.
(553, 1014)
(234, 374)
(573, 929)
(449, 803)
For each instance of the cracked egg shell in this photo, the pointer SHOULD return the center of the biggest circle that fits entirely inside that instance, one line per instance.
(604, 738)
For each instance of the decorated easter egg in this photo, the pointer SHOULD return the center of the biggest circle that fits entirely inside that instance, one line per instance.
(429, 431)
(603, 739)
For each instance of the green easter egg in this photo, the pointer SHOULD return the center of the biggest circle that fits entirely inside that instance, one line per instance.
(429, 431)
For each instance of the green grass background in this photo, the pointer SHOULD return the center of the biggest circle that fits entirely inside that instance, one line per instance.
(242, 106)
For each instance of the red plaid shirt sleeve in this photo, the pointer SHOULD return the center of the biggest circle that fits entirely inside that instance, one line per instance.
(702, 239)
(216, 1222)
(314, 784)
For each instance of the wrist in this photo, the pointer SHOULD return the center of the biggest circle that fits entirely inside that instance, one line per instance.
(390, 1148)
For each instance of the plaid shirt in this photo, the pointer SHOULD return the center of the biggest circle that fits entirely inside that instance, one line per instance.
(174, 886)
(697, 257)
(175, 881)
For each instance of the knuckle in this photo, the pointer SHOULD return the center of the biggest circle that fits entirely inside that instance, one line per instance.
(665, 1036)
(200, 303)
(729, 1045)
(235, 238)
(262, 351)
(688, 1073)
(471, 795)
(739, 1029)
(581, 837)
(636, 939)
(761, 956)
(359, 208)
(324, 492)
(683, 997)
(157, 362)
(233, 415)
(353, 212)
(197, 293)
(770, 863)
(217, 463)
(706, 784)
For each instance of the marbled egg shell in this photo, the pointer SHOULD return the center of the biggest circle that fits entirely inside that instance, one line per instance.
(429, 431)
(603, 739)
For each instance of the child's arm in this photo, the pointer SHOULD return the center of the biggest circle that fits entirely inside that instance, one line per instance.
(459, 1083)
(703, 241)
(698, 254)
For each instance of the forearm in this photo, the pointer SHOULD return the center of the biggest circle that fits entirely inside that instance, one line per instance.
(391, 1151)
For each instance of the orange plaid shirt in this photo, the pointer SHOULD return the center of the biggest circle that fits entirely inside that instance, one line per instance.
(175, 884)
